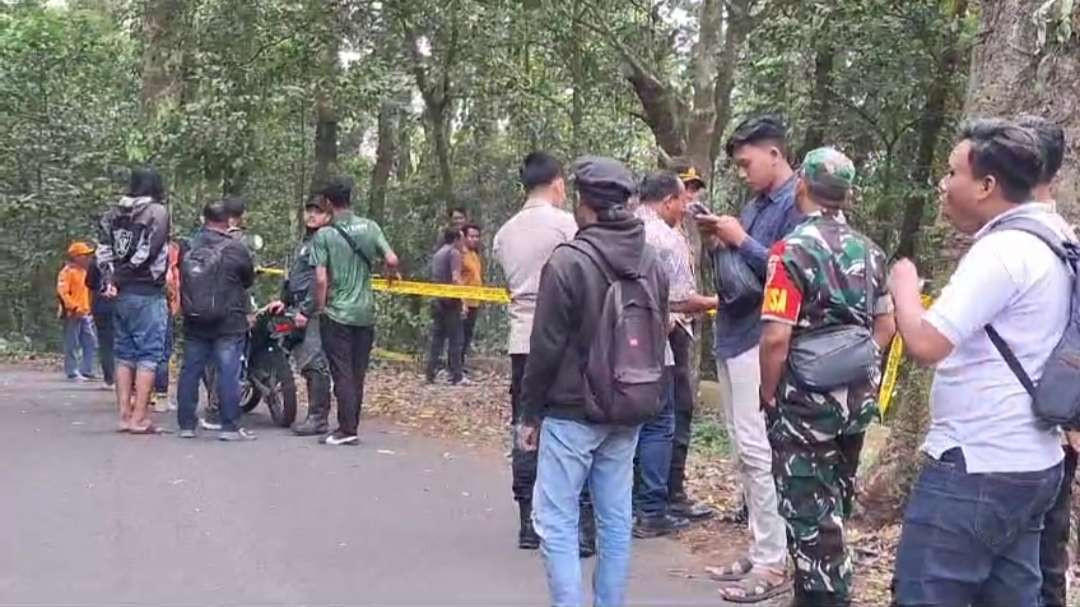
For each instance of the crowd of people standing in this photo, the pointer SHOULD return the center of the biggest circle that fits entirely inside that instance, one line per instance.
(602, 320)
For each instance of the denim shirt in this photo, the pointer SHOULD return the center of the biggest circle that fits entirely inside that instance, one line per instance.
(767, 218)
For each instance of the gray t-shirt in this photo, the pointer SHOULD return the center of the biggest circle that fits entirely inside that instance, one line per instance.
(444, 265)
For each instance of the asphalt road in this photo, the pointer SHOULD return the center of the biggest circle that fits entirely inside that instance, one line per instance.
(92, 517)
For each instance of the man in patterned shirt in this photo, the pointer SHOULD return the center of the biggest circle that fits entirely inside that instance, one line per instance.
(663, 205)
(817, 279)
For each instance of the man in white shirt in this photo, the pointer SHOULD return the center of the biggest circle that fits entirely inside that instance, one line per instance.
(522, 246)
(992, 470)
(1054, 542)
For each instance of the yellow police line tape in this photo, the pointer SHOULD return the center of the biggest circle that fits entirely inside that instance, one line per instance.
(892, 367)
(500, 295)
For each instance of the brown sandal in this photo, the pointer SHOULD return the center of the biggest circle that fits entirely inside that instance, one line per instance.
(149, 429)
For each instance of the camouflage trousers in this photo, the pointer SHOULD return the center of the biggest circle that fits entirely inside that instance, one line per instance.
(815, 483)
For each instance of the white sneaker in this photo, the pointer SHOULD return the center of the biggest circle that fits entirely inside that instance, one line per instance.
(161, 403)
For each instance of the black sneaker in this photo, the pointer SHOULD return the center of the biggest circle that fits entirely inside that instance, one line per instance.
(691, 511)
(310, 427)
(339, 438)
(658, 526)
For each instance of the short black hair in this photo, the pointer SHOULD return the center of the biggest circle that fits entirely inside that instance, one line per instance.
(451, 235)
(146, 181)
(758, 129)
(462, 210)
(539, 169)
(338, 190)
(470, 226)
(657, 186)
(1007, 151)
(235, 206)
(1051, 138)
(216, 211)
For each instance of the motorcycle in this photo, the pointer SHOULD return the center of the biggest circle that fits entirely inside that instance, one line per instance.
(266, 376)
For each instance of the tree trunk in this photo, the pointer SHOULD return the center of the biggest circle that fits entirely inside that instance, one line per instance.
(935, 110)
(440, 141)
(326, 140)
(819, 100)
(384, 161)
(1012, 73)
(160, 80)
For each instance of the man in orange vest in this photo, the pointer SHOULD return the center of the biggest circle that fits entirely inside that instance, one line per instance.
(75, 311)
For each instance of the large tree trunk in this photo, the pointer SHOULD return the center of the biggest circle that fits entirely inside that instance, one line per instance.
(1012, 73)
(160, 71)
(820, 97)
(935, 111)
(384, 160)
(326, 139)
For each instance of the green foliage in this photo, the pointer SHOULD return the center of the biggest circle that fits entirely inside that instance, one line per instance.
(221, 96)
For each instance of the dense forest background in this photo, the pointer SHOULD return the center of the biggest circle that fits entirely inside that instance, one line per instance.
(430, 104)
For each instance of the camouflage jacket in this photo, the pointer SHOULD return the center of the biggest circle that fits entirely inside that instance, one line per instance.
(817, 278)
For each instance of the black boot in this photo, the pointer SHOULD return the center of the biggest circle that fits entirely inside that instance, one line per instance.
(586, 531)
(318, 385)
(804, 598)
(527, 538)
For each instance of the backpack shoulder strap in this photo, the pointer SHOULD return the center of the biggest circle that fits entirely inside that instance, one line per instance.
(1010, 359)
(1040, 230)
(352, 244)
(1056, 244)
(589, 250)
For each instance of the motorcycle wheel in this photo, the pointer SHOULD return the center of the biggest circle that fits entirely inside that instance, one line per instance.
(281, 400)
(249, 396)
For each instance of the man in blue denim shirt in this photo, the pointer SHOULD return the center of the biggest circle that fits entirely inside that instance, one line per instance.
(758, 149)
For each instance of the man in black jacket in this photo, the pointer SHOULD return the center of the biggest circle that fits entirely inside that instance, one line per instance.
(298, 295)
(574, 451)
(133, 257)
(221, 342)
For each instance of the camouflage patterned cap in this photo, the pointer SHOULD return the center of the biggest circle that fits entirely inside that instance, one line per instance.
(829, 174)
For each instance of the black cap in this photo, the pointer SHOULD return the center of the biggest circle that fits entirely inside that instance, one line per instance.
(605, 181)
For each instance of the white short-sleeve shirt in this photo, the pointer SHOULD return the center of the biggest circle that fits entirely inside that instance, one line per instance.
(1012, 280)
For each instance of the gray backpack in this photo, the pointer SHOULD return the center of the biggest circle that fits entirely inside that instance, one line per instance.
(624, 364)
(1056, 397)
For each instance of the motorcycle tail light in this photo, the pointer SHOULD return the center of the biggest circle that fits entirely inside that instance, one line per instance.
(282, 327)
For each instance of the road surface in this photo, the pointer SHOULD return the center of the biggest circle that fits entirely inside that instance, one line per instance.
(92, 517)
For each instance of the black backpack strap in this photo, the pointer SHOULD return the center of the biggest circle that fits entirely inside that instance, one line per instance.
(1010, 359)
(352, 244)
(594, 256)
(1063, 250)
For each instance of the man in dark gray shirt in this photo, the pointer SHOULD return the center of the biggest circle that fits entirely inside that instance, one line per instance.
(447, 314)
(758, 149)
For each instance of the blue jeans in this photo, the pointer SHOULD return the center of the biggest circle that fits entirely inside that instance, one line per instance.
(139, 330)
(225, 354)
(655, 444)
(79, 334)
(973, 539)
(161, 374)
(571, 454)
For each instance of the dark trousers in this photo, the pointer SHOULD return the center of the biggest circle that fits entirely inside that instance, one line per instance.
(468, 328)
(446, 328)
(348, 349)
(1054, 542)
(224, 354)
(523, 463)
(681, 343)
(654, 455)
(161, 374)
(973, 539)
(104, 324)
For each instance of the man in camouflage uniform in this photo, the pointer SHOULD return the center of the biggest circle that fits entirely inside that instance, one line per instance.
(817, 278)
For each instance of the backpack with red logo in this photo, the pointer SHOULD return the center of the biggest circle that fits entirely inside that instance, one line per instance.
(625, 362)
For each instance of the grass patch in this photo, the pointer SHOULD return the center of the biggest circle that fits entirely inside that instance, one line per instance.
(709, 438)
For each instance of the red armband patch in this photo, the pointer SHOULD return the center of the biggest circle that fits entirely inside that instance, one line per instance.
(783, 299)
